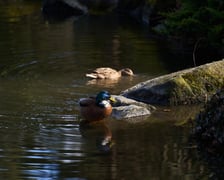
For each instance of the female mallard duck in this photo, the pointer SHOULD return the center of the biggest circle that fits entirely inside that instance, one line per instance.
(96, 109)
(109, 73)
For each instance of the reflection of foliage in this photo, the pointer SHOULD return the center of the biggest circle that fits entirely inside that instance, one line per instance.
(197, 19)
(215, 163)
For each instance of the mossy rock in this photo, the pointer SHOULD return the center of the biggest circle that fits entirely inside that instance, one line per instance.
(208, 134)
(190, 86)
(209, 126)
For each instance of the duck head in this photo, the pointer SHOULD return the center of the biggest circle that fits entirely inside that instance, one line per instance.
(126, 72)
(104, 99)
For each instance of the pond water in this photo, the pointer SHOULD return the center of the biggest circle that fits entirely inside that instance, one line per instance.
(42, 69)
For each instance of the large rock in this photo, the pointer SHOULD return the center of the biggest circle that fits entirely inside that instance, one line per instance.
(209, 129)
(209, 135)
(188, 86)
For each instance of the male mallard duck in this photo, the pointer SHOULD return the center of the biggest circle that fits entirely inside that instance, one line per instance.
(109, 73)
(96, 109)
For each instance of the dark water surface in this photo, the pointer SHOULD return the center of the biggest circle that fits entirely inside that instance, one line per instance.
(42, 67)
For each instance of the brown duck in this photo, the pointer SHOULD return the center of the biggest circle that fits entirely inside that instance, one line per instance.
(109, 73)
(96, 109)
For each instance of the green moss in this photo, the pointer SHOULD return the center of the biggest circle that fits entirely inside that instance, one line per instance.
(204, 80)
(181, 91)
(197, 85)
(180, 81)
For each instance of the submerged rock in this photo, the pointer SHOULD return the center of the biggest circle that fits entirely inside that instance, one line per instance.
(188, 86)
(127, 108)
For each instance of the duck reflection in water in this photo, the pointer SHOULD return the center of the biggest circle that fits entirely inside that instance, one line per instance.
(100, 132)
(94, 111)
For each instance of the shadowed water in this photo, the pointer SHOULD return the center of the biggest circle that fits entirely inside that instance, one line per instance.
(42, 70)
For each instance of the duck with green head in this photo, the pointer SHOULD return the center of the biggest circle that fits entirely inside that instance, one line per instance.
(96, 109)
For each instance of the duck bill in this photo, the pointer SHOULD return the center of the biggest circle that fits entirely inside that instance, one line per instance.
(112, 100)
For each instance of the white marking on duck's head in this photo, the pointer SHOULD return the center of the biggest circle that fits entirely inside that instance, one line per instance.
(104, 103)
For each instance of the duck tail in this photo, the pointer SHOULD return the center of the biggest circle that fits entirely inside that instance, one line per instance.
(91, 76)
(82, 102)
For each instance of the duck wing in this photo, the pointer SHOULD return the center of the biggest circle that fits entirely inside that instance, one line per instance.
(84, 102)
(104, 73)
